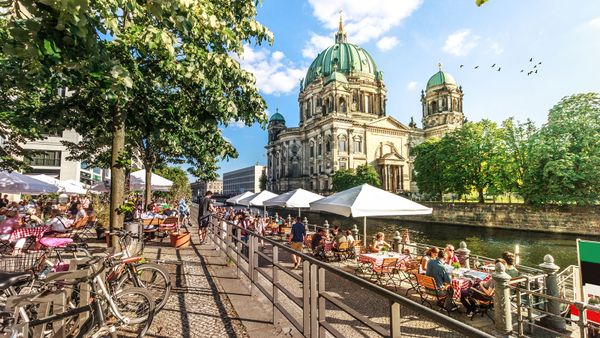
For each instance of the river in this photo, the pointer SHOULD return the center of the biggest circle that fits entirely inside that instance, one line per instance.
(482, 241)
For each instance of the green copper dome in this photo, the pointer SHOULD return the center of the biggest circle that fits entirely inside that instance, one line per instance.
(343, 58)
(277, 117)
(440, 78)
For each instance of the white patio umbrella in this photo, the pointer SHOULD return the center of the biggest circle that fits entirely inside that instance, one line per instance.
(298, 198)
(15, 183)
(72, 187)
(256, 200)
(157, 182)
(235, 199)
(366, 200)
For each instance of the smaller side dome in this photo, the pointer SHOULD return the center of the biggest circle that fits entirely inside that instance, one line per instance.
(277, 117)
(440, 78)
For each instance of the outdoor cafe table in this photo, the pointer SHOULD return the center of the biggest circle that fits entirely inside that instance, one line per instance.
(463, 279)
(378, 257)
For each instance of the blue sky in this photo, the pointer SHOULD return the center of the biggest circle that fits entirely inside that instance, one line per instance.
(408, 38)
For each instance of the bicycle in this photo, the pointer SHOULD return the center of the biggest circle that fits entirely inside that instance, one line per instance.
(27, 314)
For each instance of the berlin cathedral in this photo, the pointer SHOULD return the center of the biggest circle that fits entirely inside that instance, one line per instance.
(344, 124)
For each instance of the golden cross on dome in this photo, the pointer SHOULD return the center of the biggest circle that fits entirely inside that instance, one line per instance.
(341, 27)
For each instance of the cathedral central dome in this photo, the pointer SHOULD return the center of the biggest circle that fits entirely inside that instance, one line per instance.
(342, 57)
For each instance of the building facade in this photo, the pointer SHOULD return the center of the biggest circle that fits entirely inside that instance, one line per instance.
(51, 160)
(344, 123)
(199, 188)
(241, 180)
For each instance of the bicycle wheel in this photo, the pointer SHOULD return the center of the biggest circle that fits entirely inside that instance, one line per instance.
(153, 278)
(136, 306)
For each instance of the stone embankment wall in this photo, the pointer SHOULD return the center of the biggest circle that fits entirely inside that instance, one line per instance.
(583, 220)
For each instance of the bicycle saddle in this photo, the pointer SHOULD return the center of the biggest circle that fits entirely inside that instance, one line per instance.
(8, 279)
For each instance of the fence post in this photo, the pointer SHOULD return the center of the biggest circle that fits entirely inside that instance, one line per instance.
(251, 263)
(240, 247)
(462, 253)
(306, 298)
(314, 297)
(395, 328)
(275, 279)
(397, 239)
(502, 310)
(322, 314)
(550, 269)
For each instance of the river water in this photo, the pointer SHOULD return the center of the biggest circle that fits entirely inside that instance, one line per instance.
(481, 241)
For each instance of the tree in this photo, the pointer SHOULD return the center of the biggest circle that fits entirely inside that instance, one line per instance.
(516, 137)
(564, 157)
(106, 50)
(430, 168)
(181, 186)
(348, 178)
(263, 181)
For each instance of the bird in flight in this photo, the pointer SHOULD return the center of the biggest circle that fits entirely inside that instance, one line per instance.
(494, 65)
(536, 71)
(529, 73)
(530, 60)
(462, 66)
(539, 63)
(522, 70)
(535, 66)
(476, 67)
(499, 68)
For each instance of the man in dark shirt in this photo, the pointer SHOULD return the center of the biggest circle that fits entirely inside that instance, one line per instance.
(316, 242)
(435, 269)
(204, 210)
(296, 239)
(4, 201)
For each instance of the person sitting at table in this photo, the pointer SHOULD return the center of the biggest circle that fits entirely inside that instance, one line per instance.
(379, 243)
(149, 214)
(480, 291)
(338, 237)
(436, 270)
(449, 255)
(57, 222)
(11, 223)
(32, 218)
(317, 242)
(511, 270)
(429, 254)
(81, 213)
(350, 238)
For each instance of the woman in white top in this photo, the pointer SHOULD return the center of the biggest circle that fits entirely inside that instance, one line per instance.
(58, 223)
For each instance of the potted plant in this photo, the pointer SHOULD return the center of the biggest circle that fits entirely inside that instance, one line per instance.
(179, 238)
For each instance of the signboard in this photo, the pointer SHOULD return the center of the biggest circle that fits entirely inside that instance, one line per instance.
(588, 254)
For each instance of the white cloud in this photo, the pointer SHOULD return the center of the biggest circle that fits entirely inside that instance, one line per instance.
(387, 42)
(364, 21)
(274, 74)
(236, 124)
(460, 43)
(316, 44)
(412, 85)
(594, 23)
(496, 48)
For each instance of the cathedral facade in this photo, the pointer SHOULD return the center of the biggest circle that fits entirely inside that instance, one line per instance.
(344, 124)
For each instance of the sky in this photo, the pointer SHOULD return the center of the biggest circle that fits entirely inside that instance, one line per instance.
(408, 39)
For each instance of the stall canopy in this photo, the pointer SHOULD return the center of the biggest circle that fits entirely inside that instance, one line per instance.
(256, 200)
(158, 183)
(235, 199)
(366, 200)
(297, 199)
(15, 183)
(67, 186)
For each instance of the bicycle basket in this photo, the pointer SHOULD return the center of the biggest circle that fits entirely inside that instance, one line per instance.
(19, 262)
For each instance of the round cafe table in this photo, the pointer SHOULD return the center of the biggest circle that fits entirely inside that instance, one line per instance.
(377, 258)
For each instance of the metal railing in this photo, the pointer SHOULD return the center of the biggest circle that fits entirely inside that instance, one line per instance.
(312, 308)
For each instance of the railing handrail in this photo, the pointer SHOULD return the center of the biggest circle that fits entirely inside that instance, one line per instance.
(431, 314)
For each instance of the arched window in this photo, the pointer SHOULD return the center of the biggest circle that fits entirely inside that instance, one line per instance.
(326, 106)
(357, 145)
(320, 149)
(312, 149)
(433, 107)
(342, 143)
(366, 103)
(328, 145)
(342, 105)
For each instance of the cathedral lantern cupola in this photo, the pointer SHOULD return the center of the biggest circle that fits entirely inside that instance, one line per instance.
(442, 103)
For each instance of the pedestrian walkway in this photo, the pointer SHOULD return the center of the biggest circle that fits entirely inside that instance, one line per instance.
(208, 299)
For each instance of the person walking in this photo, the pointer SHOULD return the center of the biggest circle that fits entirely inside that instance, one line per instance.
(296, 239)
(205, 208)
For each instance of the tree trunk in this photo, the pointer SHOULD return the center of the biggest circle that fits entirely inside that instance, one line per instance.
(480, 193)
(148, 185)
(117, 172)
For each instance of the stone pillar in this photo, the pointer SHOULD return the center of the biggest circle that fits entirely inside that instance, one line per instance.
(551, 282)
(502, 310)
(397, 239)
(305, 222)
(289, 219)
(326, 226)
(355, 232)
(462, 253)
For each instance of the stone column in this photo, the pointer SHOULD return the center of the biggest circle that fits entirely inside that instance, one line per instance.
(550, 269)
(326, 226)
(355, 232)
(305, 222)
(462, 253)
(397, 239)
(502, 310)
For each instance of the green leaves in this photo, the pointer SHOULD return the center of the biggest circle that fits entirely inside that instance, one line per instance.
(348, 178)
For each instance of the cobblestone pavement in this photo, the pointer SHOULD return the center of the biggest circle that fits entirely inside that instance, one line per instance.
(197, 307)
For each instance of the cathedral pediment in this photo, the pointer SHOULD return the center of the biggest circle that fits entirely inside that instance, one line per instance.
(387, 122)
